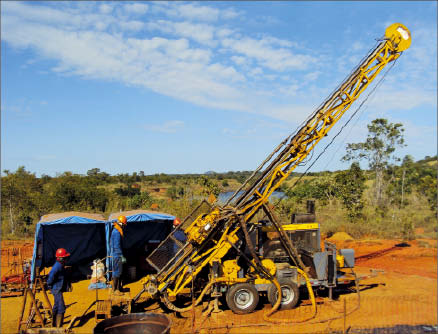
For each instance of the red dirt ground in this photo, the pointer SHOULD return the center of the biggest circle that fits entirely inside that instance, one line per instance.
(405, 293)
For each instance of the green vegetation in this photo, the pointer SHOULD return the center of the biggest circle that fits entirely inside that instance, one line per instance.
(391, 199)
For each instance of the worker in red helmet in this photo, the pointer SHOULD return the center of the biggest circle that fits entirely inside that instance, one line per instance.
(57, 283)
(179, 235)
(117, 254)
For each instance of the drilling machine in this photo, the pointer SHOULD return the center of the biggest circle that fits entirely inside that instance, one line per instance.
(229, 253)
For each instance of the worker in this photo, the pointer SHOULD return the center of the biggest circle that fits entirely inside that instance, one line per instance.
(57, 283)
(117, 254)
(178, 235)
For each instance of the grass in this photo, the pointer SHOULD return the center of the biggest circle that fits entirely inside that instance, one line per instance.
(396, 223)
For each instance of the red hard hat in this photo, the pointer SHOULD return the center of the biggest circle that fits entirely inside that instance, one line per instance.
(61, 252)
(176, 222)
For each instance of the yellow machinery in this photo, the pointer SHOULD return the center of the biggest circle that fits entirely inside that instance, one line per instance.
(227, 252)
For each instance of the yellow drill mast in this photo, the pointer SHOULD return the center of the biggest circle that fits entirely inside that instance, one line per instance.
(210, 237)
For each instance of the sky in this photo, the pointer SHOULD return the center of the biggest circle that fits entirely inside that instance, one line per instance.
(191, 87)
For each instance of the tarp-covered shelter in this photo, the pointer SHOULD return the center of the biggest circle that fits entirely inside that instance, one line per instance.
(83, 235)
(143, 232)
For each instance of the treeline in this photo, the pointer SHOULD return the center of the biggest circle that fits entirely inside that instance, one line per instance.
(26, 197)
(161, 178)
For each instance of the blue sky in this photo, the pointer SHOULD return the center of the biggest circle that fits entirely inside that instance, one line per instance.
(189, 87)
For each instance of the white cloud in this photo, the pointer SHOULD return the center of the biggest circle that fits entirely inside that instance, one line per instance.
(195, 57)
(201, 33)
(256, 71)
(263, 51)
(290, 90)
(105, 8)
(239, 60)
(167, 127)
(404, 99)
(137, 8)
(357, 46)
(312, 76)
(68, 18)
(223, 32)
(132, 25)
(194, 11)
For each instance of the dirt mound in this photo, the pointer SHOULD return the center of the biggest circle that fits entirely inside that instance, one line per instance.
(341, 236)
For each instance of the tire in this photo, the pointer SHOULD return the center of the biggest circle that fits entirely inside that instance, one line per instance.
(242, 298)
(290, 294)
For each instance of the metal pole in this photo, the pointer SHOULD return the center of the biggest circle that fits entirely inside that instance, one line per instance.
(95, 271)
(193, 304)
(345, 314)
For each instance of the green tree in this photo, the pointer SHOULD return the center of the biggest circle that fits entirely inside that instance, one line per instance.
(428, 186)
(401, 180)
(74, 192)
(21, 193)
(142, 200)
(322, 188)
(350, 188)
(127, 191)
(378, 149)
(175, 192)
(97, 176)
(209, 187)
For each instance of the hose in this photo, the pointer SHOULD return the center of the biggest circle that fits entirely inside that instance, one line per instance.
(173, 307)
(348, 313)
(267, 315)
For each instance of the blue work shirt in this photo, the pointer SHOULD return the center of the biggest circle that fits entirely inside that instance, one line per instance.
(116, 243)
(180, 236)
(55, 282)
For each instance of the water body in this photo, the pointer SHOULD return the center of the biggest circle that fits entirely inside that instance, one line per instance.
(223, 197)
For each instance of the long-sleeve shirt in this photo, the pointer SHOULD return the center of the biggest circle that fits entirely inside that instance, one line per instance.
(55, 281)
(116, 243)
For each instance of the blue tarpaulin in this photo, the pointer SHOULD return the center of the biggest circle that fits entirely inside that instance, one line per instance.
(143, 229)
(87, 237)
(82, 235)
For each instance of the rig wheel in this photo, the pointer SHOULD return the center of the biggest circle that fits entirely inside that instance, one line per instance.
(242, 298)
(290, 294)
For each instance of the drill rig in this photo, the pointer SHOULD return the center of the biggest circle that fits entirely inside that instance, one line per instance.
(227, 252)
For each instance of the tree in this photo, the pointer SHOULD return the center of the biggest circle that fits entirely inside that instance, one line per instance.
(142, 200)
(350, 187)
(428, 186)
(378, 149)
(75, 192)
(21, 193)
(128, 191)
(209, 186)
(401, 181)
(175, 192)
(93, 172)
(322, 188)
(97, 176)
